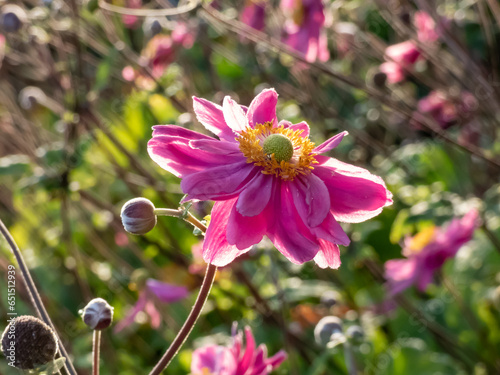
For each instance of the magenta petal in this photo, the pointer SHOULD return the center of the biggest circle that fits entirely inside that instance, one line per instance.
(330, 144)
(289, 234)
(129, 319)
(331, 231)
(301, 126)
(217, 147)
(218, 182)
(355, 194)
(211, 117)
(178, 131)
(153, 313)
(328, 255)
(166, 292)
(254, 198)
(216, 249)
(247, 360)
(245, 231)
(234, 115)
(311, 198)
(263, 108)
(401, 274)
(215, 359)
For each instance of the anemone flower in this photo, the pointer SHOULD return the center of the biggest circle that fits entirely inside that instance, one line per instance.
(267, 178)
(404, 55)
(132, 22)
(446, 111)
(235, 359)
(304, 28)
(426, 253)
(153, 290)
(253, 14)
(426, 27)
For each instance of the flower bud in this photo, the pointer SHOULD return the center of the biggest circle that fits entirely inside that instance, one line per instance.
(28, 342)
(13, 17)
(98, 314)
(379, 79)
(138, 216)
(330, 298)
(326, 328)
(355, 333)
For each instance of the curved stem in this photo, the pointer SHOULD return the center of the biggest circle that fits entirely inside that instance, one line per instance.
(149, 12)
(34, 295)
(96, 349)
(189, 323)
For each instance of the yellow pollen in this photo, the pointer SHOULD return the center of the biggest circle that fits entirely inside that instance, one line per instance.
(422, 239)
(251, 145)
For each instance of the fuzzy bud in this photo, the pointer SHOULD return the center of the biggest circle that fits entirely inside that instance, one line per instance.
(27, 342)
(326, 328)
(138, 216)
(98, 314)
(330, 298)
(355, 333)
(13, 17)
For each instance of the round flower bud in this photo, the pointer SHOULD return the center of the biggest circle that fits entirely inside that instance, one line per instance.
(355, 333)
(326, 328)
(13, 17)
(98, 314)
(379, 79)
(28, 342)
(330, 298)
(138, 216)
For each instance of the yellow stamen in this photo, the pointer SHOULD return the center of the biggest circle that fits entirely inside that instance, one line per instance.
(422, 239)
(251, 145)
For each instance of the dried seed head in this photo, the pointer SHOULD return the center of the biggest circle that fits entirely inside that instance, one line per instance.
(138, 216)
(98, 314)
(29, 342)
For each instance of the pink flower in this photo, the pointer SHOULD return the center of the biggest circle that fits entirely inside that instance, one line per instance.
(131, 22)
(426, 27)
(400, 57)
(445, 111)
(267, 178)
(235, 360)
(254, 13)
(154, 290)
(304, 28)
(427, 252)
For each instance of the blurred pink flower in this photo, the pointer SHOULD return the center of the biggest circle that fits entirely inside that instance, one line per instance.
(427, 251)
(2, 48)
(267, 178)
(153, 290)
(236, 359)
(254, 13)
(132, 22)
(426, 27)
(304, 28)
(400, 57)
(445, 111)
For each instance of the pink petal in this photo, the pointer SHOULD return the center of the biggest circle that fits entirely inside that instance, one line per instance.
(289, 234)
(244, 231)
(328, 255)
(218, 183)
(355, 194)
(234, 115)
(331, 231)
(246, 361)
(400, 274)
(263, 108)
(254, 198)
(176, 156)
(214, 358)
(311, 199)
(211, 117)
(178, 131)
(129, 319)
(153, 313)
(166, 292)
(301, 126)
(216, 249)
(216, 147)
(330, 144)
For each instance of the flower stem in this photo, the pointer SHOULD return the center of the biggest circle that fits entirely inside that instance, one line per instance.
(189, 323)
(96, 349)
(187, 216)
(36, 300)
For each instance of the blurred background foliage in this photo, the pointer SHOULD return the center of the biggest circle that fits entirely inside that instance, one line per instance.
(78, 97)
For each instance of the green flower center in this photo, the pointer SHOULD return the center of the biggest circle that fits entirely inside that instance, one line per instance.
(280, 146)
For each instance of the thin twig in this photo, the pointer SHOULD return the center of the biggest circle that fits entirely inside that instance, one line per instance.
(191, 5)
(96, 349)
(34, 295)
